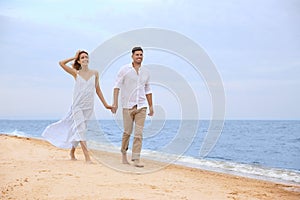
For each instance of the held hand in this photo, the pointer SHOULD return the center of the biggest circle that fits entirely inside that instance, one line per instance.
(108, 107)
(151, 112)
(114, 109)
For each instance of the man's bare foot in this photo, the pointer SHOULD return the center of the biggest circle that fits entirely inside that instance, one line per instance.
(137, 163)
(124, 159)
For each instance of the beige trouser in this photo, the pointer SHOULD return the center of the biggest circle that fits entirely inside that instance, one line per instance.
(129, 117)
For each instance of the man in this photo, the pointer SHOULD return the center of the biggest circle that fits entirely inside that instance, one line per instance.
(133, 81)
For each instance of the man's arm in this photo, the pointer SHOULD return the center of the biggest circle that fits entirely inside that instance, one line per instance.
(116, 100)
(149, 99)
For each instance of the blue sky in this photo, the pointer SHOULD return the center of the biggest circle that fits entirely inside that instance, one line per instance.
(255, 46)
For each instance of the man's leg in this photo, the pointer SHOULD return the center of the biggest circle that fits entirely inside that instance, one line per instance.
(139, 117)
(128, 125)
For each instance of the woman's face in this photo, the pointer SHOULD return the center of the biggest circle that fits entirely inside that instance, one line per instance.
(83, 59)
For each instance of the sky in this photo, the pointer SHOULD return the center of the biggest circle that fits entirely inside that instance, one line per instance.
(255, 46)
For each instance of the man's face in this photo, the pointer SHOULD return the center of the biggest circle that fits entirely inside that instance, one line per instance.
(137, 57)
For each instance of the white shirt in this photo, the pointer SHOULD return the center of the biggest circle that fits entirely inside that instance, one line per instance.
(133, 85)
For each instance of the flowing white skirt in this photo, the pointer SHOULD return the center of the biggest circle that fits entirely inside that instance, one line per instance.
(70, 130)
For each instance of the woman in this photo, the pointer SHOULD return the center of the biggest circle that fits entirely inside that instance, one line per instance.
(71, 130)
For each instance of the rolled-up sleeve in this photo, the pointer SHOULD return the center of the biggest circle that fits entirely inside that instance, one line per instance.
(148, 88)
(119, 79)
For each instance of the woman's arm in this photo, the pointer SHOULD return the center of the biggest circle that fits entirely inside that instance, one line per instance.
(99, 92)
(68, 69)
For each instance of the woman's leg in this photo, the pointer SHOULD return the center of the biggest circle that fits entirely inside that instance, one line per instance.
(72, 153)
(85, 151)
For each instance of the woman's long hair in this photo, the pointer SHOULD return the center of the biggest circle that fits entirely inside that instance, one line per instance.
(76, 65)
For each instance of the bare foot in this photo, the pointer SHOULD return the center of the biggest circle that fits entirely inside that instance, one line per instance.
(137, 163)
(89, 162)
(73, 156)
(124, 159)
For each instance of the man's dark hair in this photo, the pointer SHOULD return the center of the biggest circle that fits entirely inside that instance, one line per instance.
(134, 49)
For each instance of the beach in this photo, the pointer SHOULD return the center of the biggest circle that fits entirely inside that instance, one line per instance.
(34, 169)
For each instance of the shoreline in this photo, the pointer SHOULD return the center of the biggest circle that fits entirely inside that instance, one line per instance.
(248, 174)
(30, 164)
(290, 177)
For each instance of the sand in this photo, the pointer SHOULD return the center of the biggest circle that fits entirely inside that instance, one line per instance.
(34, 169)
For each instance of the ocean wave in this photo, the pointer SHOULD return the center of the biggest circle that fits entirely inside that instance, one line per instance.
(245, 170)
(17, 133)
(224, 166)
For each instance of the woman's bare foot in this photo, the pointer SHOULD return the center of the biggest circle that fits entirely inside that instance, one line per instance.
(72, 154)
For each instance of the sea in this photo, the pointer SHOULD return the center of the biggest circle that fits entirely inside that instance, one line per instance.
(260, 149)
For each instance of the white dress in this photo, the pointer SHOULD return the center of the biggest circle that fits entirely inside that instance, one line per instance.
(72, 128)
